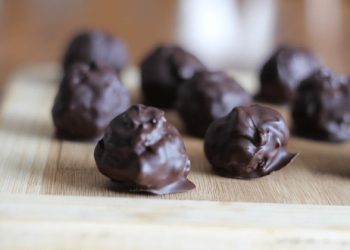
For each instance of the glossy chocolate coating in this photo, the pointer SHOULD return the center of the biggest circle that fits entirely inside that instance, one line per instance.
(89, 97)
(97, 46)
(249, 142)
(206, 97)
(321, 109)
(163, 71)
(142, 152)
(283, 72)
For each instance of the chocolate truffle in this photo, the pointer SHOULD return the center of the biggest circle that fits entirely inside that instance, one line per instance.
(163, 71)
(206, 97)
(283, 72)
(96, 46)
(89, 97)
(142, 152)
(321, 109)
(249, 142)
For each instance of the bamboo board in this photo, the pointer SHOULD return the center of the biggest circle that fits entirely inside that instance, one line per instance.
(66, 222)
(53, 197)
(32, 161)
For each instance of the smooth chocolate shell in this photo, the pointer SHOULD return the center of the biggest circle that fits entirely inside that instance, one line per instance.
(206, 97)
(99, 47)
(282, 73)
(162, 73)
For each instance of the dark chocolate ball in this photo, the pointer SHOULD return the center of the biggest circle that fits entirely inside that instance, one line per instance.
(89, 97)
(142, 152)
(249, 142)
(283, 72)
(97, 46)
(163, 71)
(321, 109)
(206, 97)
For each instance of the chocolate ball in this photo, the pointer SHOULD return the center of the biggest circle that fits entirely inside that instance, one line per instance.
(249, 142)
(206, 97)
(97, 46)
(89, 97)
(163, 71)
(142, 152)
(283, 72)
(321, 109)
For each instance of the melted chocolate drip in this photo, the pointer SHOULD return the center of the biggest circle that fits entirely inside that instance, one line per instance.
(142, 152)
(249, 142)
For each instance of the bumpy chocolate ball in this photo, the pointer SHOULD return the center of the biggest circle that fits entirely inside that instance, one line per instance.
(249, 142)
(206, 97)
(321, 109)
(163, 71)
(283, 72)
(89, 97)
(142, 152)
(97, 46)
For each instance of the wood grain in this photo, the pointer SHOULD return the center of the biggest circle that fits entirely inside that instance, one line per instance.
(70, 222)
(32, 161)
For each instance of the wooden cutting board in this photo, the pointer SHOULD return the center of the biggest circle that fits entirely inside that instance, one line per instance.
(33, 161)
(34, 164)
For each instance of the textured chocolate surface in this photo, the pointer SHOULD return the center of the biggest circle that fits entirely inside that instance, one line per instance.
(97, 46)
(283, 72)
(142, 152)
(89, 97)
(206, 97)
(163, 71)
(321, 109)
(249, 142)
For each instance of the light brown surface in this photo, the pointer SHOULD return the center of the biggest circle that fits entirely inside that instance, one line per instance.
(70, 222)
(32, 161)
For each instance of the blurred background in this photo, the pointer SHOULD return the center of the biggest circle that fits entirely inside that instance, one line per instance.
(223, 33)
